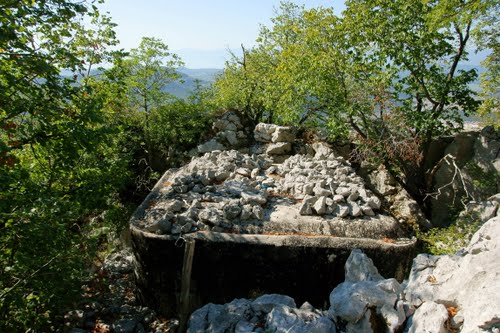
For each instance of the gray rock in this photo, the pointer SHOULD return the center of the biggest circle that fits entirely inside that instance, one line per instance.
(367, 210)
(244, 326)
(322, 150)
(343, 191)
(231, 137)
(283, 134)
(211, 145)
(364, 288)
(337, 198)
(263, 132)
(124, 326)
(429, 317)
(279, 148)
(353, 196)
(320, 206)
(246, 212)
(305, 209)
(342, 210)
(244, 172)
(468, 281)
(253, 198)
(308, 189)
(254, 173)
(209, 216)
(354, 209)
(258, 212)
(359, 267)
(203, 319)
(267, 302)
(232, 211)
(363, 325)
(283, 319)
(374, 202)
(183, 220)
(319, 191)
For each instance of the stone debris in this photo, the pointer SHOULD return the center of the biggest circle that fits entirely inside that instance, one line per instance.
(109, 304)
(446, 293)
(268, 313)
(227, 189)
(229, 134)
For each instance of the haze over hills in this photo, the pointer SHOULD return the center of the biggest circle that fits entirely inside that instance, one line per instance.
(206, 76)
(187, 84)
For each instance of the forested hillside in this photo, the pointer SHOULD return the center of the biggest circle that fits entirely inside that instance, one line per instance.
(79, 151)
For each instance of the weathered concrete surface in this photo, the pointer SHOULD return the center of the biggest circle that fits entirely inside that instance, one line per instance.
(261, 227)
(228, 266)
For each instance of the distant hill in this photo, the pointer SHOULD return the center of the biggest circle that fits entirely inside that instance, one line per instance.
(187, 84)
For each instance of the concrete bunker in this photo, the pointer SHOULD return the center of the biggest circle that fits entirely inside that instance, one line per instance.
(261, 227)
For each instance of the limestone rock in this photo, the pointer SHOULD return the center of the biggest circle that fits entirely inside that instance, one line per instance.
(283, 319)
(264, 132)
(429, 317)
(359, 267)
(267, 302)
(364, 289)
(211, 145)
(468, 281)
(283, 134)
(320, 206)
(279, 148)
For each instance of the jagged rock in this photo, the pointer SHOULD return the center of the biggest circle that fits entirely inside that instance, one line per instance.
(279, 148)
(476, 154)
(253, 198)
(246, 212)
(468, 281)
(264, 132)
(232, 211)
(401, 204)
(364, 289)
(342, 210)
(266, 303)
(320, 205)
(258, 212)
(338, 198)
(277, 312)
(429, 317)
(359, 267)
(231, 137)
(283, 319)
(283, 134)
(322, 151)
(211, 145)
(354, 209)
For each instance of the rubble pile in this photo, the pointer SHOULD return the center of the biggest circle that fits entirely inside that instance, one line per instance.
(225, 190)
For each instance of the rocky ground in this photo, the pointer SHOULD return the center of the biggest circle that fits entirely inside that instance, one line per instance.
(442, 294)
(237, 187)
(454, 293)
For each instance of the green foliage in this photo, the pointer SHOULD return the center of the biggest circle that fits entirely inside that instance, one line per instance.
(487, 35)
(449, 240)
(150, 67)
(384, 70)
(59, 160)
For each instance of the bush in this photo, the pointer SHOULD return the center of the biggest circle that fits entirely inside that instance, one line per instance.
(450, 239)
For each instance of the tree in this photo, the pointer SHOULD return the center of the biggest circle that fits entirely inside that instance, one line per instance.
(151, 67)
(385, 70)
(59, 163)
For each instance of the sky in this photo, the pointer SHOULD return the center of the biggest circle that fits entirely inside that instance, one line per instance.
(200, 31)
